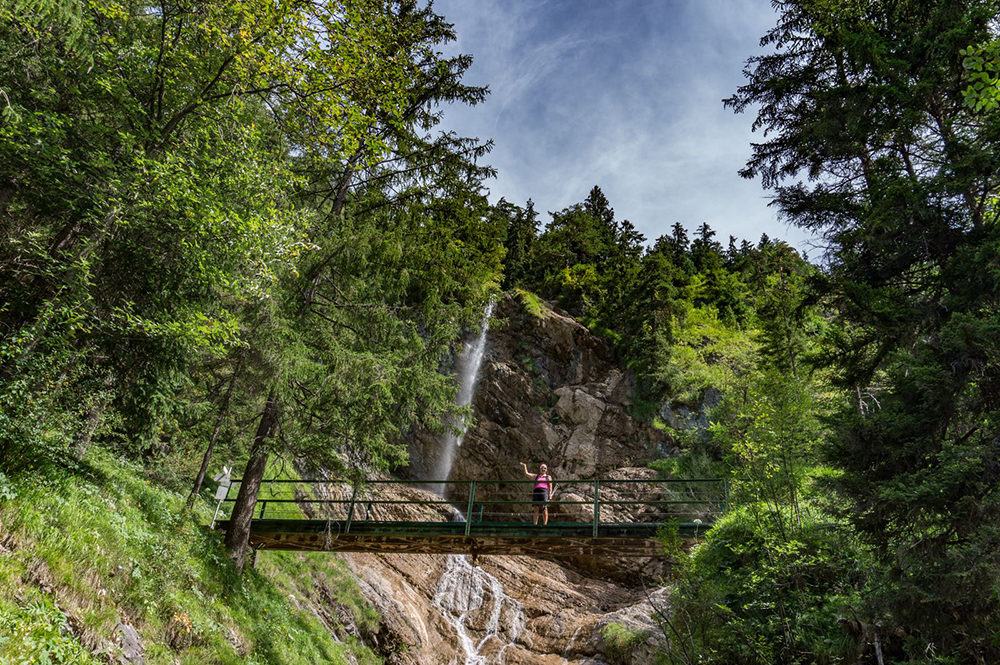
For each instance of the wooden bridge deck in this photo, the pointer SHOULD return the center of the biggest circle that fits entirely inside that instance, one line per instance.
(613, 517)
(554, 539)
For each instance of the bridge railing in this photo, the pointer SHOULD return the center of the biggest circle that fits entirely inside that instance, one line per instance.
(602, 501)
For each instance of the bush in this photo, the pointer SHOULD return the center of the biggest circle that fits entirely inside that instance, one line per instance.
(532, 304)
(620, 641)
(750, 595)
(38, 632)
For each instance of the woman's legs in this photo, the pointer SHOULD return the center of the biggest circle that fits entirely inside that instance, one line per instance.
(535, 517)
(545, 515)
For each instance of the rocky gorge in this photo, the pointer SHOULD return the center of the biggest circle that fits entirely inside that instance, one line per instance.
(548, 390)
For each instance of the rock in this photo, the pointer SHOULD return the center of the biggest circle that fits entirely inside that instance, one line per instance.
(692, 416)
(548, 390)
(130, 644)
(235, 639)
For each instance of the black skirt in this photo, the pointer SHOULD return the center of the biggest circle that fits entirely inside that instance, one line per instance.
(540, 495)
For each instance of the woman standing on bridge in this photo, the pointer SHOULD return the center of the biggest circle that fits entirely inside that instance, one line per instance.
(544, 488)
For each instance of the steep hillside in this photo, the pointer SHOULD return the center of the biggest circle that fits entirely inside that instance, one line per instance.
(98, 565)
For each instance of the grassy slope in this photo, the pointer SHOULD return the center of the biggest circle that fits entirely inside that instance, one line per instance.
(84, 548)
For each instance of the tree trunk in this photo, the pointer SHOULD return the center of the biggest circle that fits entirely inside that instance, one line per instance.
(238, 532)
(81, 440)
(223, 410)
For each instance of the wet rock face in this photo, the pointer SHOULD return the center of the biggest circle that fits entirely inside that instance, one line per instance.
(513, 610)
(548, 391)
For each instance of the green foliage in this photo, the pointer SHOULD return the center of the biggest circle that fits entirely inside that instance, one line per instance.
(521, 234)
(532, 303)
(38, 633)
(208, 208)
(695, 461)
(133, 554)
(772, 435)
(982, 66)
(750, 595)
(620, 641)
(653, 303)
(910, 226)
(777, 575)
(578, 286)
(706, 353)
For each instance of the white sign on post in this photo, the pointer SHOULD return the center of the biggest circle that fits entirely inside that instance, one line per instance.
(224, 480)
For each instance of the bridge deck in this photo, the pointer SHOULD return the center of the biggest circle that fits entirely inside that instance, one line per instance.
(334, 516)
(554, 539)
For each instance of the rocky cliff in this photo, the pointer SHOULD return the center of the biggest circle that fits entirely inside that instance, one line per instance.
(548, 390)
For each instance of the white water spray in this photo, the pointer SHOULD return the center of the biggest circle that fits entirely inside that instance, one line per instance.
(463, 590)
(468, 365)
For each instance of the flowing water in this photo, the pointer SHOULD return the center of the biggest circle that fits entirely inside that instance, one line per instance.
(486, 619)
(467, 368)
(572, 640)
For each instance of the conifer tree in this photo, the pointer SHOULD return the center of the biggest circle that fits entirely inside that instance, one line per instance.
(869, 100)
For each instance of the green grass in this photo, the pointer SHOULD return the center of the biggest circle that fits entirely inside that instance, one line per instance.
(594, 325)
(532, 304)
(85, 548)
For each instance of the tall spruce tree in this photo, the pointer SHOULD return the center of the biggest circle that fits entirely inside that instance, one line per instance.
(522, 232)
(403, 252)
(869, 100)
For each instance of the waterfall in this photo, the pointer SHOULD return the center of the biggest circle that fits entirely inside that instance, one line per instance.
(468, 364)
(464, 590)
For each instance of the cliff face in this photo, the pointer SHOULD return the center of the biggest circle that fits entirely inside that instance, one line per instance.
(548, 390)
(516, 610)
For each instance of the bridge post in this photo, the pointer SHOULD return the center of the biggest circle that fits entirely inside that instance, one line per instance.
(263, 507)
(350, 509)
(597, 505)
(468, 512)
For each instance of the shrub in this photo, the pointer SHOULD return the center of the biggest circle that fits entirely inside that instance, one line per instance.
(750, 596)
(620, 641)
(532, 304)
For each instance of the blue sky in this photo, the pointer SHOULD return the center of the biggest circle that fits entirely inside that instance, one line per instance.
(625, 94)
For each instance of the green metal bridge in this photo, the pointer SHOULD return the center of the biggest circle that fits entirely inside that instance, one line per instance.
(592, 517)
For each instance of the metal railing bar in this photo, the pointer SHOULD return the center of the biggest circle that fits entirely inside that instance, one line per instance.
(429, 502)
(529, 502)
(656, 503)
(525, 502)
(558, 481)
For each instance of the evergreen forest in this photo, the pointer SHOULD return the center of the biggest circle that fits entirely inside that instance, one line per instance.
(235, 233)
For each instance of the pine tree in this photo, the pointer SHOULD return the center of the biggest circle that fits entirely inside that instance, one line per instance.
(869, 100)
(522, 233)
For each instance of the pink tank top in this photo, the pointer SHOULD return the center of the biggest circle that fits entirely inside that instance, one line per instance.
(541, 482)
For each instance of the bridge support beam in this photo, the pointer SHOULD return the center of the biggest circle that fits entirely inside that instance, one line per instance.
(558, 539)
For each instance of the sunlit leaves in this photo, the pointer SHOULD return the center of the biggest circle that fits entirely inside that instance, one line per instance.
(982, 65)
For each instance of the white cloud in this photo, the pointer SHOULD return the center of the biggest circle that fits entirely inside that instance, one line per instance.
(623, 94)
